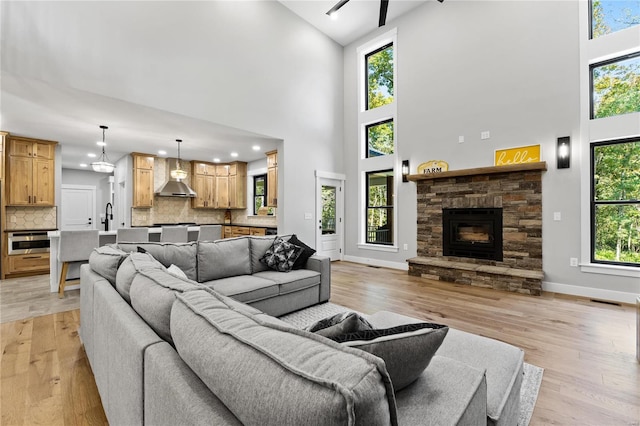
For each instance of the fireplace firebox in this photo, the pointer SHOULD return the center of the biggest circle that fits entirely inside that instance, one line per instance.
(472, 232)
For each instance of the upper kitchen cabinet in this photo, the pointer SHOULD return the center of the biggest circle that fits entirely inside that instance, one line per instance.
(222, 186)
(204, 184)
(142, 180)
(272, 179)
(30, 172)
(238, 185)
(219, 186)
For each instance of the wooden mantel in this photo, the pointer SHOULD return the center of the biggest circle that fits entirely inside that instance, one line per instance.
(542, 165)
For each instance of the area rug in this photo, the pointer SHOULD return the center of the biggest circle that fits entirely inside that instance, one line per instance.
(530, 382)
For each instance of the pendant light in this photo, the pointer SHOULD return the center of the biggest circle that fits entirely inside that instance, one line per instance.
(178, 173)
(103, 166)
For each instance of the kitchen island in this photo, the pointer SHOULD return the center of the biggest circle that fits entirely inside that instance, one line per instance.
(109, 237)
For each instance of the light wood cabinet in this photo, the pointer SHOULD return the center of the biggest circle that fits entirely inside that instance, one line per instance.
(240, 231)
(204, 184)
(30, 172)
(219, 186)
(238, 185)
(272, 179)
(222, 186)
(28, 263)
(143, 185)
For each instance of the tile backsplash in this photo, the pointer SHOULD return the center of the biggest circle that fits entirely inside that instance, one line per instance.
(29, 217)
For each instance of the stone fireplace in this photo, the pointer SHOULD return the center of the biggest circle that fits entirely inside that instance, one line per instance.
(481, 227)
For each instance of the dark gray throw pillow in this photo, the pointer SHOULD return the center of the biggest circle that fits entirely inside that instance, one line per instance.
(406, 349)
(307, 252)
(281, 255)
(340, 324)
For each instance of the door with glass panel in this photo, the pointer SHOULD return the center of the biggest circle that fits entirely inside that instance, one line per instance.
(330, 203)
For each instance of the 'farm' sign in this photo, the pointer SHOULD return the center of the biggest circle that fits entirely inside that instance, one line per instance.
(433, 166)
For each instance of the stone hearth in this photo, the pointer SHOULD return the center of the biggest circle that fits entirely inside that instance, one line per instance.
(517, 189)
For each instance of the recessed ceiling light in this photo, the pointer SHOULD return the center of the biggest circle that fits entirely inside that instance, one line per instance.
(162, 152)
(216, 160)
(83, 165)
(100, 143)
(256, 148)
(234, 154)
(333, 16)
(91, 154)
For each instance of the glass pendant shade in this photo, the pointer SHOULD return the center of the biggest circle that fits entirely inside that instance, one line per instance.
(103, 166)
(178, 173)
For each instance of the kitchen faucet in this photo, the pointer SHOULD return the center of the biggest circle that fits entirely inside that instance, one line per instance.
(108, 215)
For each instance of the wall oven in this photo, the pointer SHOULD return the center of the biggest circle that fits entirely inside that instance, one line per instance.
(25, 242)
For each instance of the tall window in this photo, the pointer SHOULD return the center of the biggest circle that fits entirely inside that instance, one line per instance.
(615, 223)
(379, 78)
(378, 152)
(260, 193)
(379, 138)
(380, 207)
(615, 87)
(610, 16)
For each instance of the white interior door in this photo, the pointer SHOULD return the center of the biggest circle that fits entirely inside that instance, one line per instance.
(78, 207)
(330, 211)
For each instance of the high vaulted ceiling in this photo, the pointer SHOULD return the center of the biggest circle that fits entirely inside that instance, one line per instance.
(354, 20)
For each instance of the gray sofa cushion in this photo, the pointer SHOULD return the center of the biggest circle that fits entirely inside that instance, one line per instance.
(183, 255)
(406, 349)
(245, 288)
(129, 269)
(153, 291)
(259, 246)
(302, 378)
(291, 281)
(223, 258)
(106, 260)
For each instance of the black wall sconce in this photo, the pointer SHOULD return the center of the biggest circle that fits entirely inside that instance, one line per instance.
(405, 170)
(563, 153)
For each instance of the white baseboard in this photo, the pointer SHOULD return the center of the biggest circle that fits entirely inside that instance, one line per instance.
(592, 293)
(377, 262)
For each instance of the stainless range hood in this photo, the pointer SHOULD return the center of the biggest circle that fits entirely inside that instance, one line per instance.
(174, 187)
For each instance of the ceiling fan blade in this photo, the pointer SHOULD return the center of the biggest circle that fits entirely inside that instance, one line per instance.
(337, 7)
(384, 5)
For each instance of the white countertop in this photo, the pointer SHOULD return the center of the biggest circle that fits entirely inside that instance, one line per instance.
(152, 230)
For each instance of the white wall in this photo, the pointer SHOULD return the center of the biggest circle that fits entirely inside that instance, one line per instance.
(252, 65)
(511, 68)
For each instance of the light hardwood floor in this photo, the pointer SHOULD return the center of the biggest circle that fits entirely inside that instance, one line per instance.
(586, 348)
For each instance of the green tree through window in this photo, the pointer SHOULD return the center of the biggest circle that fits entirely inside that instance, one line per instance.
(380, 138)
(616, 202)
(379, 68)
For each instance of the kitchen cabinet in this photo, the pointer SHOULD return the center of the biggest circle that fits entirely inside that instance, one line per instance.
(222, 186)
(204, 184)
(272, 179)
(239, 231)
(238, 185)
(219, 186)
(143, 165)
(28, 264)
(30, 172)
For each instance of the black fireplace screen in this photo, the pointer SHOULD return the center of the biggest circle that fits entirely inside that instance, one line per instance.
(472, 232)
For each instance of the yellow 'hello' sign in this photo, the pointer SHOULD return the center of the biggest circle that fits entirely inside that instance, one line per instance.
(519, 155)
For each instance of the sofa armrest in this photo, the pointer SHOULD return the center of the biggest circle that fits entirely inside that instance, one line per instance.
(321, 264)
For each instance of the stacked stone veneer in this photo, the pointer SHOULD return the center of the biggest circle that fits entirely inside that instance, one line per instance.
(519, 194)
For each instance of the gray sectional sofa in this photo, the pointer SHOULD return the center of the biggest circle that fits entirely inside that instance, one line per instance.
(169, 350)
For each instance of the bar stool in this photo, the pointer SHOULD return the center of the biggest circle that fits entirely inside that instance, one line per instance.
(132, 235)
(210, 232)
(75, 246)
(174, 234)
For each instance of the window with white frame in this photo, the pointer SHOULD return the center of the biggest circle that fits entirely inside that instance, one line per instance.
(378, 162)
(613, 68)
